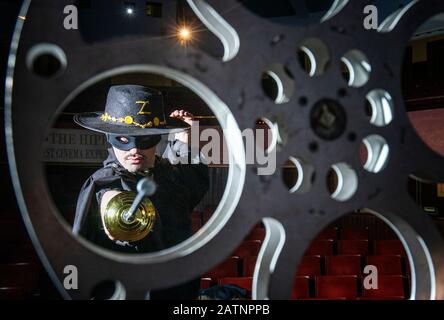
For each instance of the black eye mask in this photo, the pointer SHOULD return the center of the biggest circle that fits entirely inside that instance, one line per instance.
(139, 142)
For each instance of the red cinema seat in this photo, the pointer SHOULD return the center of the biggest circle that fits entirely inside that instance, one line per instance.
(206, 214)
(248, 248)
(12, 231)
(349, 233)
(353, 247)
(301, 288)
(346, 265)
(23, 254)
(332, 287)
(380, 298)
(22, 275)
(320, 247)
(330, 233)
(310, 266)
(196, 215)
(260, 225)
(389, 247)
(249, 264)
(242, 282)
(324, 299)
(256, 234)
(228, 268)
(206, 283)
(196, 224)
(17, 253)
(11, 293)
(386, 265)
(6, 250)
(388, 286)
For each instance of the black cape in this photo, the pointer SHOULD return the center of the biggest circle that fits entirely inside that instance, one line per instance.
(180, 187)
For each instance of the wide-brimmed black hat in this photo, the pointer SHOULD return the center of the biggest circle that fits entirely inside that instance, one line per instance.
(132, 110)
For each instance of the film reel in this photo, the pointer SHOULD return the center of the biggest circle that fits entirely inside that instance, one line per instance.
(252, 46)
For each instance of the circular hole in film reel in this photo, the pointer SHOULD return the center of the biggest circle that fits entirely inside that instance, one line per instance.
(355, 68)
(314, 57)
(360, 256)
(73, 155)
(298, 175)
(423, 85)
(108, 290)
(278, 83)
(342, 181)
(374, 153)
(46, 60)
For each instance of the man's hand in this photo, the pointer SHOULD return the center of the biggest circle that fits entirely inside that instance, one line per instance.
(184, 116)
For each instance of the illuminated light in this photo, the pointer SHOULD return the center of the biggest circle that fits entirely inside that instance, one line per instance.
(22, 17)
(129, 11)
(184, 34)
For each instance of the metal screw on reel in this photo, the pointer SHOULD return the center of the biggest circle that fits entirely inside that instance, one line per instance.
(145, 187)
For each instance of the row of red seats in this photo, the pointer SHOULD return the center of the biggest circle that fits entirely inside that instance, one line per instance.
(362, 247)
(198, 219)
(20, 275)
(344, 233)
(12, 231)
(12, 293)
(18, 253)
(331, 287)
(19, 266)
(328, 247)
(313, 266)
(389, 255)
(391, 262)
(349, 287)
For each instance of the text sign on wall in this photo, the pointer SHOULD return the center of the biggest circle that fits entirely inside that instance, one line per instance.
(73, 145)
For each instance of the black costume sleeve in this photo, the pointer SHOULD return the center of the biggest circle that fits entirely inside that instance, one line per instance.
(191, 173)
(87, 216)
(83, 206)
(102, 191)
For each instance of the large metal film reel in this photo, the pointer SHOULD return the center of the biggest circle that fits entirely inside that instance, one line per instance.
(231, 87)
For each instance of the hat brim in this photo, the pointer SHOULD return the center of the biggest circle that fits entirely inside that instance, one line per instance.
(92, 121)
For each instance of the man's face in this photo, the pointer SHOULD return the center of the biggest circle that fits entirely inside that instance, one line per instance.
(135, 159)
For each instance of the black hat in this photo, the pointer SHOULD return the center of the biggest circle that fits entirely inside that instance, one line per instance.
(132, 110)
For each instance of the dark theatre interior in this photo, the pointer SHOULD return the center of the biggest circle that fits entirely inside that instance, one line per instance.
(332, 266)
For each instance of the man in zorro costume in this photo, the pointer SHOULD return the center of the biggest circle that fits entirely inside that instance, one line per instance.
(133, 122)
